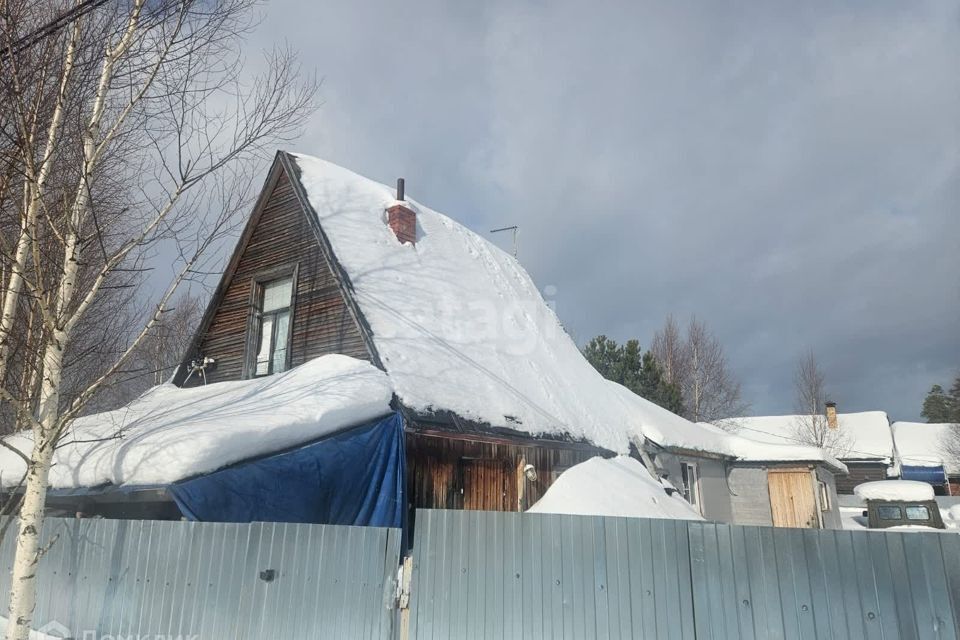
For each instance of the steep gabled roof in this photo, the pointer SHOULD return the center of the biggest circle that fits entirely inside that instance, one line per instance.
(457, 323)
(461, 329)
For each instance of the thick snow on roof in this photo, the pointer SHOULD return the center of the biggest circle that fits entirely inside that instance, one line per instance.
(460, 326)
(675, 432)
(170, 433)
(870, 436)
(458, 323)
(908, 490)
(618, 486)
(921, 445)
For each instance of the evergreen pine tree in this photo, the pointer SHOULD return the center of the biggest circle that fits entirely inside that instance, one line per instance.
(604, 355)
(638, 371)
(954, 402)
(937, 405)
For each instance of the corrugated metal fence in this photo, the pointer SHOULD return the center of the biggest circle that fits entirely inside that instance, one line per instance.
(143, 579)
(505, 575)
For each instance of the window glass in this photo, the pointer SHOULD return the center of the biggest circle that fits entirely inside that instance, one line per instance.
(824, 495)
(263, 351)
(276, 294)
(280, 350)
(273, 325)
(688, 473)
(889, 513)
(918, 513)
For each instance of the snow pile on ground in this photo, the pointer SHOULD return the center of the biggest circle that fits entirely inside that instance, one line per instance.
(170, 433)
(619, 486)
(906, 490)
(869, 432)
(921, 445)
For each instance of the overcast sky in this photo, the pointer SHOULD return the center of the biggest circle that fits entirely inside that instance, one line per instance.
(788, 172)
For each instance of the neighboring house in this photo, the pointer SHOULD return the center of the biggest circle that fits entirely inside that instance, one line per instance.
(733, 479)
(921, 455)
(867, 441)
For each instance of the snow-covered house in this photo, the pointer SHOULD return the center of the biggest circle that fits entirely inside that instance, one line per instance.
(729, 478)
(364, 355)
(865, 441)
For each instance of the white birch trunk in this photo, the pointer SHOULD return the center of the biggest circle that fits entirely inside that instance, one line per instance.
(23, 598)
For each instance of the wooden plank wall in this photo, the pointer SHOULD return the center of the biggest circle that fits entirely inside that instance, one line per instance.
(322, 323)
(860, 473)
(440, 467)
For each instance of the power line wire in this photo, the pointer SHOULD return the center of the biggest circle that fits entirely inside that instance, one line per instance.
(52, 27)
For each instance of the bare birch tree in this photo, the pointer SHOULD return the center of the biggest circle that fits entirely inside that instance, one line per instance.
(711, 393)
(131, 102)
(950, 442)
(668, 349)
(811, 425)
(696, 362)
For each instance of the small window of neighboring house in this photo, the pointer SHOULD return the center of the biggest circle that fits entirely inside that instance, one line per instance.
(272, 325)
(689, 474)
(824, 495)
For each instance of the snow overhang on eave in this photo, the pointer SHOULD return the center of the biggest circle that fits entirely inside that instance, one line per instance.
(812, 463)
(685, 451)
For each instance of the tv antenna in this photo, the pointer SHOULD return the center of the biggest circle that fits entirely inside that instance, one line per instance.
(513, 228)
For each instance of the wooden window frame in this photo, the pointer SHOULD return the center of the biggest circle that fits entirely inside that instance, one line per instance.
(257, 283)
(695, 488)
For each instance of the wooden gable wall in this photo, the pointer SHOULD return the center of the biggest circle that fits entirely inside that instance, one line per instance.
(282, 235)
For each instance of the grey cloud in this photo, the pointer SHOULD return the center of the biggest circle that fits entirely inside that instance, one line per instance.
(790, 172)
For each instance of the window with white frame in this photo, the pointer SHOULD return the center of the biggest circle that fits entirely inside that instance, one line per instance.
(824, 495)
(690, 477)
(273, 299)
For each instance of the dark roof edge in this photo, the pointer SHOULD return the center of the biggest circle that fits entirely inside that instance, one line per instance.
(289, 163)
(273, 175)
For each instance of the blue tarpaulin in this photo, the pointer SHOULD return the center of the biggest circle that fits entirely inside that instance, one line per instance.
(931, 475)
(356, 477)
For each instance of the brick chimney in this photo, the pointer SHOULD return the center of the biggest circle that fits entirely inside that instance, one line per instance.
(832, 415)
(401, 218)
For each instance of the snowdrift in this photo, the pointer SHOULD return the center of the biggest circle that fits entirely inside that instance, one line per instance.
(618, 486)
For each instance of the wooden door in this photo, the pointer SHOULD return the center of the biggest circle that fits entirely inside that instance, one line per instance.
(487, 485)
(792, 499)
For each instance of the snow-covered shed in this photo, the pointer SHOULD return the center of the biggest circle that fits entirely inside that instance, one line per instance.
(864, 441)
(922, 454)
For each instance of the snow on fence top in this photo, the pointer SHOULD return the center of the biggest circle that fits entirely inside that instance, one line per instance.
(906, 490)
(170, 433)
(868, 432)
(619, 486)
(923, 445)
